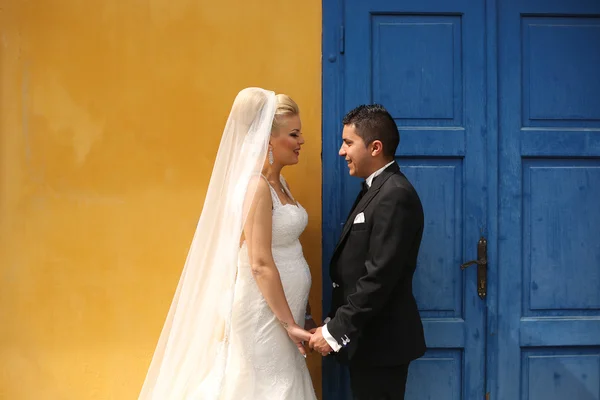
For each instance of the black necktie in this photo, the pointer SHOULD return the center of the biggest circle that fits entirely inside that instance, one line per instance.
(365, 187)
(363, 191)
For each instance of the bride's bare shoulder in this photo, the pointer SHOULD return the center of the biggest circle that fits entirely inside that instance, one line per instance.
(258, 188)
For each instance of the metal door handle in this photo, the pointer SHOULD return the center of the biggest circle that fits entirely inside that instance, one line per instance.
(481, 267)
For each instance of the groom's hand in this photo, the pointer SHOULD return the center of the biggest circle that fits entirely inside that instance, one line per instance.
(318, 342)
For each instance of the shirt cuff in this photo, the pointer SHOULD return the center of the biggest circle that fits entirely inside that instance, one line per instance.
(330, 340)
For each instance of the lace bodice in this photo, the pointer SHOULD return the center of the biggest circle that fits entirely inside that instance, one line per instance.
(289, 221)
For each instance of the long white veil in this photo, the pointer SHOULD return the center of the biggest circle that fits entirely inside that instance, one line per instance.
(191, 355)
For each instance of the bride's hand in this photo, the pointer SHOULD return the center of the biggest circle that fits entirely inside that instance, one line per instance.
(298, 336)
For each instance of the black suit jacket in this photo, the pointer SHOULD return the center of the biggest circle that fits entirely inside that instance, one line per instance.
(374, 313)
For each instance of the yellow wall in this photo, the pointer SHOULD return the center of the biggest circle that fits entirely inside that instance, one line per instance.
(111, 113)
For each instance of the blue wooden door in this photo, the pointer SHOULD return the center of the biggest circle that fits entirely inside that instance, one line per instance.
(498, 105)
(549, 205)
(425, 62)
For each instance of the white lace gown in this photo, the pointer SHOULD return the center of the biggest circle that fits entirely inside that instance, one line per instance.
(264, 364)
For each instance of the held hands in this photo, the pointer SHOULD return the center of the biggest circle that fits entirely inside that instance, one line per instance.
(318, 342)
(314, 337)
(298, 336)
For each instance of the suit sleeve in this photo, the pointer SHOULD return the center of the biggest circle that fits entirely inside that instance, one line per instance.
(395, 227)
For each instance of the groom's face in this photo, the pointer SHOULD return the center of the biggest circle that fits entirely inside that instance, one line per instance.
(356, 154)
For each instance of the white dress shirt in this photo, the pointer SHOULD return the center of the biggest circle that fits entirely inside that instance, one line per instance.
(326, 335)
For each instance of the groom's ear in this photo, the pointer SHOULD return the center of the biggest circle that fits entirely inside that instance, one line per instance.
(376, 148)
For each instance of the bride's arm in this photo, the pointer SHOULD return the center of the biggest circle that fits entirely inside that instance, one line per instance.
(257, 231)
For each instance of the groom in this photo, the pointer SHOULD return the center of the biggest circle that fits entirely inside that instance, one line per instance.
(374, 325)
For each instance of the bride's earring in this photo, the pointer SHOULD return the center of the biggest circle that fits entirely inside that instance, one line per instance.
(271, 161)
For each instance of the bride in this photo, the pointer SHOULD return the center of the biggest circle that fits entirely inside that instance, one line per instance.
(234, 329)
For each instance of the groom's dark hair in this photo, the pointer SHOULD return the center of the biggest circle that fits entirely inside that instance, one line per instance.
(374, 122)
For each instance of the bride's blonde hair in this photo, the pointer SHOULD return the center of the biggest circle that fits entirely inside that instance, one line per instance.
(285, 107)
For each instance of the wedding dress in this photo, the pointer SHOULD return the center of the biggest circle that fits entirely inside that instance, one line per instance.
(220, 340)
(263, 361)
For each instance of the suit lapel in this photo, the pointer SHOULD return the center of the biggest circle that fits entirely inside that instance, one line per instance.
(366, 199)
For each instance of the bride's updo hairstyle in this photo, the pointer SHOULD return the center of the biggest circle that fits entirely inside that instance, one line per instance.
(285, 107)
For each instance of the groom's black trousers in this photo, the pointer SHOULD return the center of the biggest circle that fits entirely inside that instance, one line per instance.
(378, 383)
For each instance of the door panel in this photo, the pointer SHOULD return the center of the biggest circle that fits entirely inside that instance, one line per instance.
(425, 63)
(549, 217)
(437, 68)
